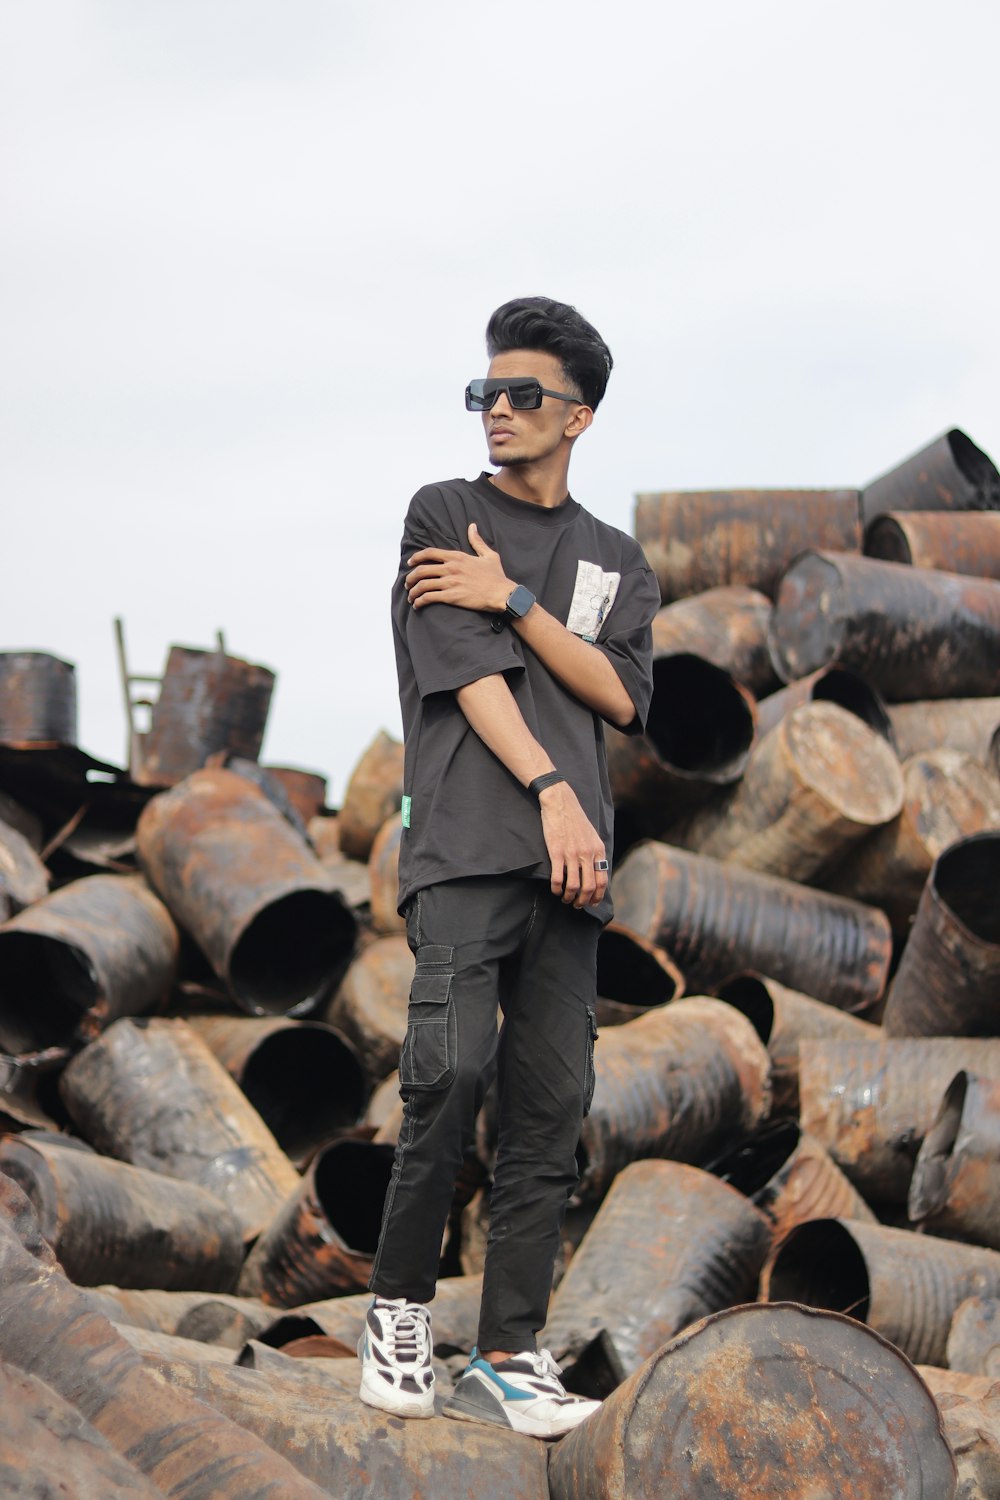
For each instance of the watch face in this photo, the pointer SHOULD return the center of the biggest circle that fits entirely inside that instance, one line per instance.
(520, 601)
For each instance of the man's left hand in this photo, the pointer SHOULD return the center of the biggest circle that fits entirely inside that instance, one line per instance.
(440, 576)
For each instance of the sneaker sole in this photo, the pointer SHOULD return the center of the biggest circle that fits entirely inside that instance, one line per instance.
(407, 1406)
(497, 1416)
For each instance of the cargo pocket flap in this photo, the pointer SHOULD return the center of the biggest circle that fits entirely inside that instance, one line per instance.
(430, 989)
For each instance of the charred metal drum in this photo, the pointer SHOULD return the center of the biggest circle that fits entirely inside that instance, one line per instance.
(963, 542)
(633, 976)
(790, 1178)
(371, 1005)
(974, 1337)
(949, 474)
(946, 723)
(383, 873)
(209, 703)
(726, 626)
(37, 699)
(373, 795)
(955, 1188)
(834, 684)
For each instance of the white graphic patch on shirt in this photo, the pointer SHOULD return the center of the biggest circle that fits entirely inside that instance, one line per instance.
(593, 596)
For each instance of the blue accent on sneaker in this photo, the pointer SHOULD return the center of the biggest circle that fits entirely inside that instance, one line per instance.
(511, 1392)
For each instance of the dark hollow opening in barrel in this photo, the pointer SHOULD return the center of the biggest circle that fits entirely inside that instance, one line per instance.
(351, 1179)
(699, 721)
(821, 1265)
(48, 985)
(291, 951)
(750, 1166)
(966, 878)
(849, 691)
(749, 994)
(626, 972)
(977, 467)
(306, 1083)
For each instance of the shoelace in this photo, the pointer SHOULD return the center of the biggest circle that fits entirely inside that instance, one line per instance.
(545, 1366)
(408, 1334)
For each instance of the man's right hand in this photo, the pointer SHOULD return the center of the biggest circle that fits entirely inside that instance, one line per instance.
(574, 846)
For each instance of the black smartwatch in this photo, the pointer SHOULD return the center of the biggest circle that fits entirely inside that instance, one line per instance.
(519, 601)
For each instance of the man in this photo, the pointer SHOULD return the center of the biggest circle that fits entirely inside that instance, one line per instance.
(520, 622)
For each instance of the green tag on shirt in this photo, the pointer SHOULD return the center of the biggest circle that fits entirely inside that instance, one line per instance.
(404, 808)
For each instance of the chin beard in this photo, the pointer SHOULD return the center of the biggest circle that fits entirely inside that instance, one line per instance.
(508, 461)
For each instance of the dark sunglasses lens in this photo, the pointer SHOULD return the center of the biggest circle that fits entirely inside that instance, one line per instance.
(524, 395)
(476, 398)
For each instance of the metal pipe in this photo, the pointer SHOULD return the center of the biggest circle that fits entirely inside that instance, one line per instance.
(37, 700)
(790, 1178)
(955, 1189)
(633, 976)
(373, 794)
(950, 474)
(370, 1007)
(726, 626)
(954, 542)
(208, 702)
(946, 723)
(834, 684)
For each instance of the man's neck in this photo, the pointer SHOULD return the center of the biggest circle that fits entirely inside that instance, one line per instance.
(534, 483)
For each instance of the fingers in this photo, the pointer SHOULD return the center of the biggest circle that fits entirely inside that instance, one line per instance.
(476, 542)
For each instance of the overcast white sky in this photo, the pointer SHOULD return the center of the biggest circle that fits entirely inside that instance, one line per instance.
(248, 250)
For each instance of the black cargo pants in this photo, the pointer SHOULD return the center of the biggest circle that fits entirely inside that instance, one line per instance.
(481, 941)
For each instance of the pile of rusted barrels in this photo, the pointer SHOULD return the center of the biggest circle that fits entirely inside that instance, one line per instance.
(789, 1188)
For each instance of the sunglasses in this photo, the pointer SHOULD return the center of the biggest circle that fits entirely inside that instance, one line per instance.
(524, 394)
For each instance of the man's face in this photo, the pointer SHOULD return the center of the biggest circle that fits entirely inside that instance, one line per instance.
(524, 437)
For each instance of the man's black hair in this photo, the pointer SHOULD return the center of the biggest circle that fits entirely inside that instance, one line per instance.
(558, 329)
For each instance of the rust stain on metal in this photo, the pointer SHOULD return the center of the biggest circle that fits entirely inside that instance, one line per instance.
(373, 795)
(208, 702)
(726, 626)
(955, 1188)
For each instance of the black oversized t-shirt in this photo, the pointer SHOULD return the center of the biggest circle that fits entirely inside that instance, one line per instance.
(467, 814)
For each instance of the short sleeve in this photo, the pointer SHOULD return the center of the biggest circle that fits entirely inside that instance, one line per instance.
(627, 639)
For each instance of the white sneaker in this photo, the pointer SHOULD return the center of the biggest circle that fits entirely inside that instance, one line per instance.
(395, 1354)
(523, 1393)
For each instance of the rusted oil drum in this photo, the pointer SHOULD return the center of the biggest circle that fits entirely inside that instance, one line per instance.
(373, 794)
(323, 1238)
(779, 1401)
(871, 1103)
(209, 1317)
(305, 790)
(28, 1092)
(454, 1316)
(681, 1082)
(782, 1018)
(953, 723)
(669, 1244)
(832, 684)
(102, 947)
(948, 980)
(947, 796)
(303, 1078)
(248, 889)
(913, 632)
(37, 699)
(108, 1221)
(966, 542)
(713, 918)
(699, 539)
(790, 1178)
(348, 876)
(974, 1337)
(686, 754)
(151, 1092)
(208, 702)
(971, 1425)
(955, 1189)
(949, 474)
(633, 975)
(383, 873)
(23, 877)
(370, 1007)
(726, 626)
(904, 1285)
(814, 787)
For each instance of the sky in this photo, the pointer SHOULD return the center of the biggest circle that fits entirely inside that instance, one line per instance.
(248, 251)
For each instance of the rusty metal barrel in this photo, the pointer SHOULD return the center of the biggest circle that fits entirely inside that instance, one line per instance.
(950, 474)
(905, 1285)
(833, 684)
(946, 723)
(348, 876)
(248, 889)
(370, 1006)
(454, 1312)
(955, 1188)
(28, 1092)
(208, 702)
(913, 632)
(781, 1401)
(303, 1078)
(681, 1082)
(108, 1221)
(151, 1093)
(871, 1103)
(373, 794)
(305, 791)
(974, 1337)
(633, 975)
(713, 918)
(966, 542)
(101, 947)
(37, 699)
(790, 1178)
(726, 626)
(699, 539)
(324, 1236)
(948, 980)
(23, 877)
(698, 737)
(669, 1244)
(782, 1018)
(948, 795)
(209, 1317)
(818, 784)
(383, 873)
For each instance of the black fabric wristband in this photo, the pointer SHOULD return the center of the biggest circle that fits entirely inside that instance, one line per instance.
(548, 779)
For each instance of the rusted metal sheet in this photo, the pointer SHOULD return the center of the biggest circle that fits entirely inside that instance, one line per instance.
(669, 1244)
(28, 1094)
(726, 626)
(699, 539)
(972, 1427)
(782, 1018)
(790, 1178)
(871, 1103)
(913, 632)
(383, 873)
(950, 474)
(208, 702)
(303, 1078)
(305, 790)
(102, 947)
(947, 796)
(23, 877)
(953, 723)
(834, 684)
(109, 1221)
(974, 1337)
(371, 1004)
(955, 1189)
(905, 1285)
(454, 1317)
(323, 1238)
(248, 889)
(686, 755)
(818, 784)
(714, 918)
(37, 699)
(373, 794)
(633, 976)
(679, 1082)
(963, 542)
(779, 1401)
(151, 1093)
